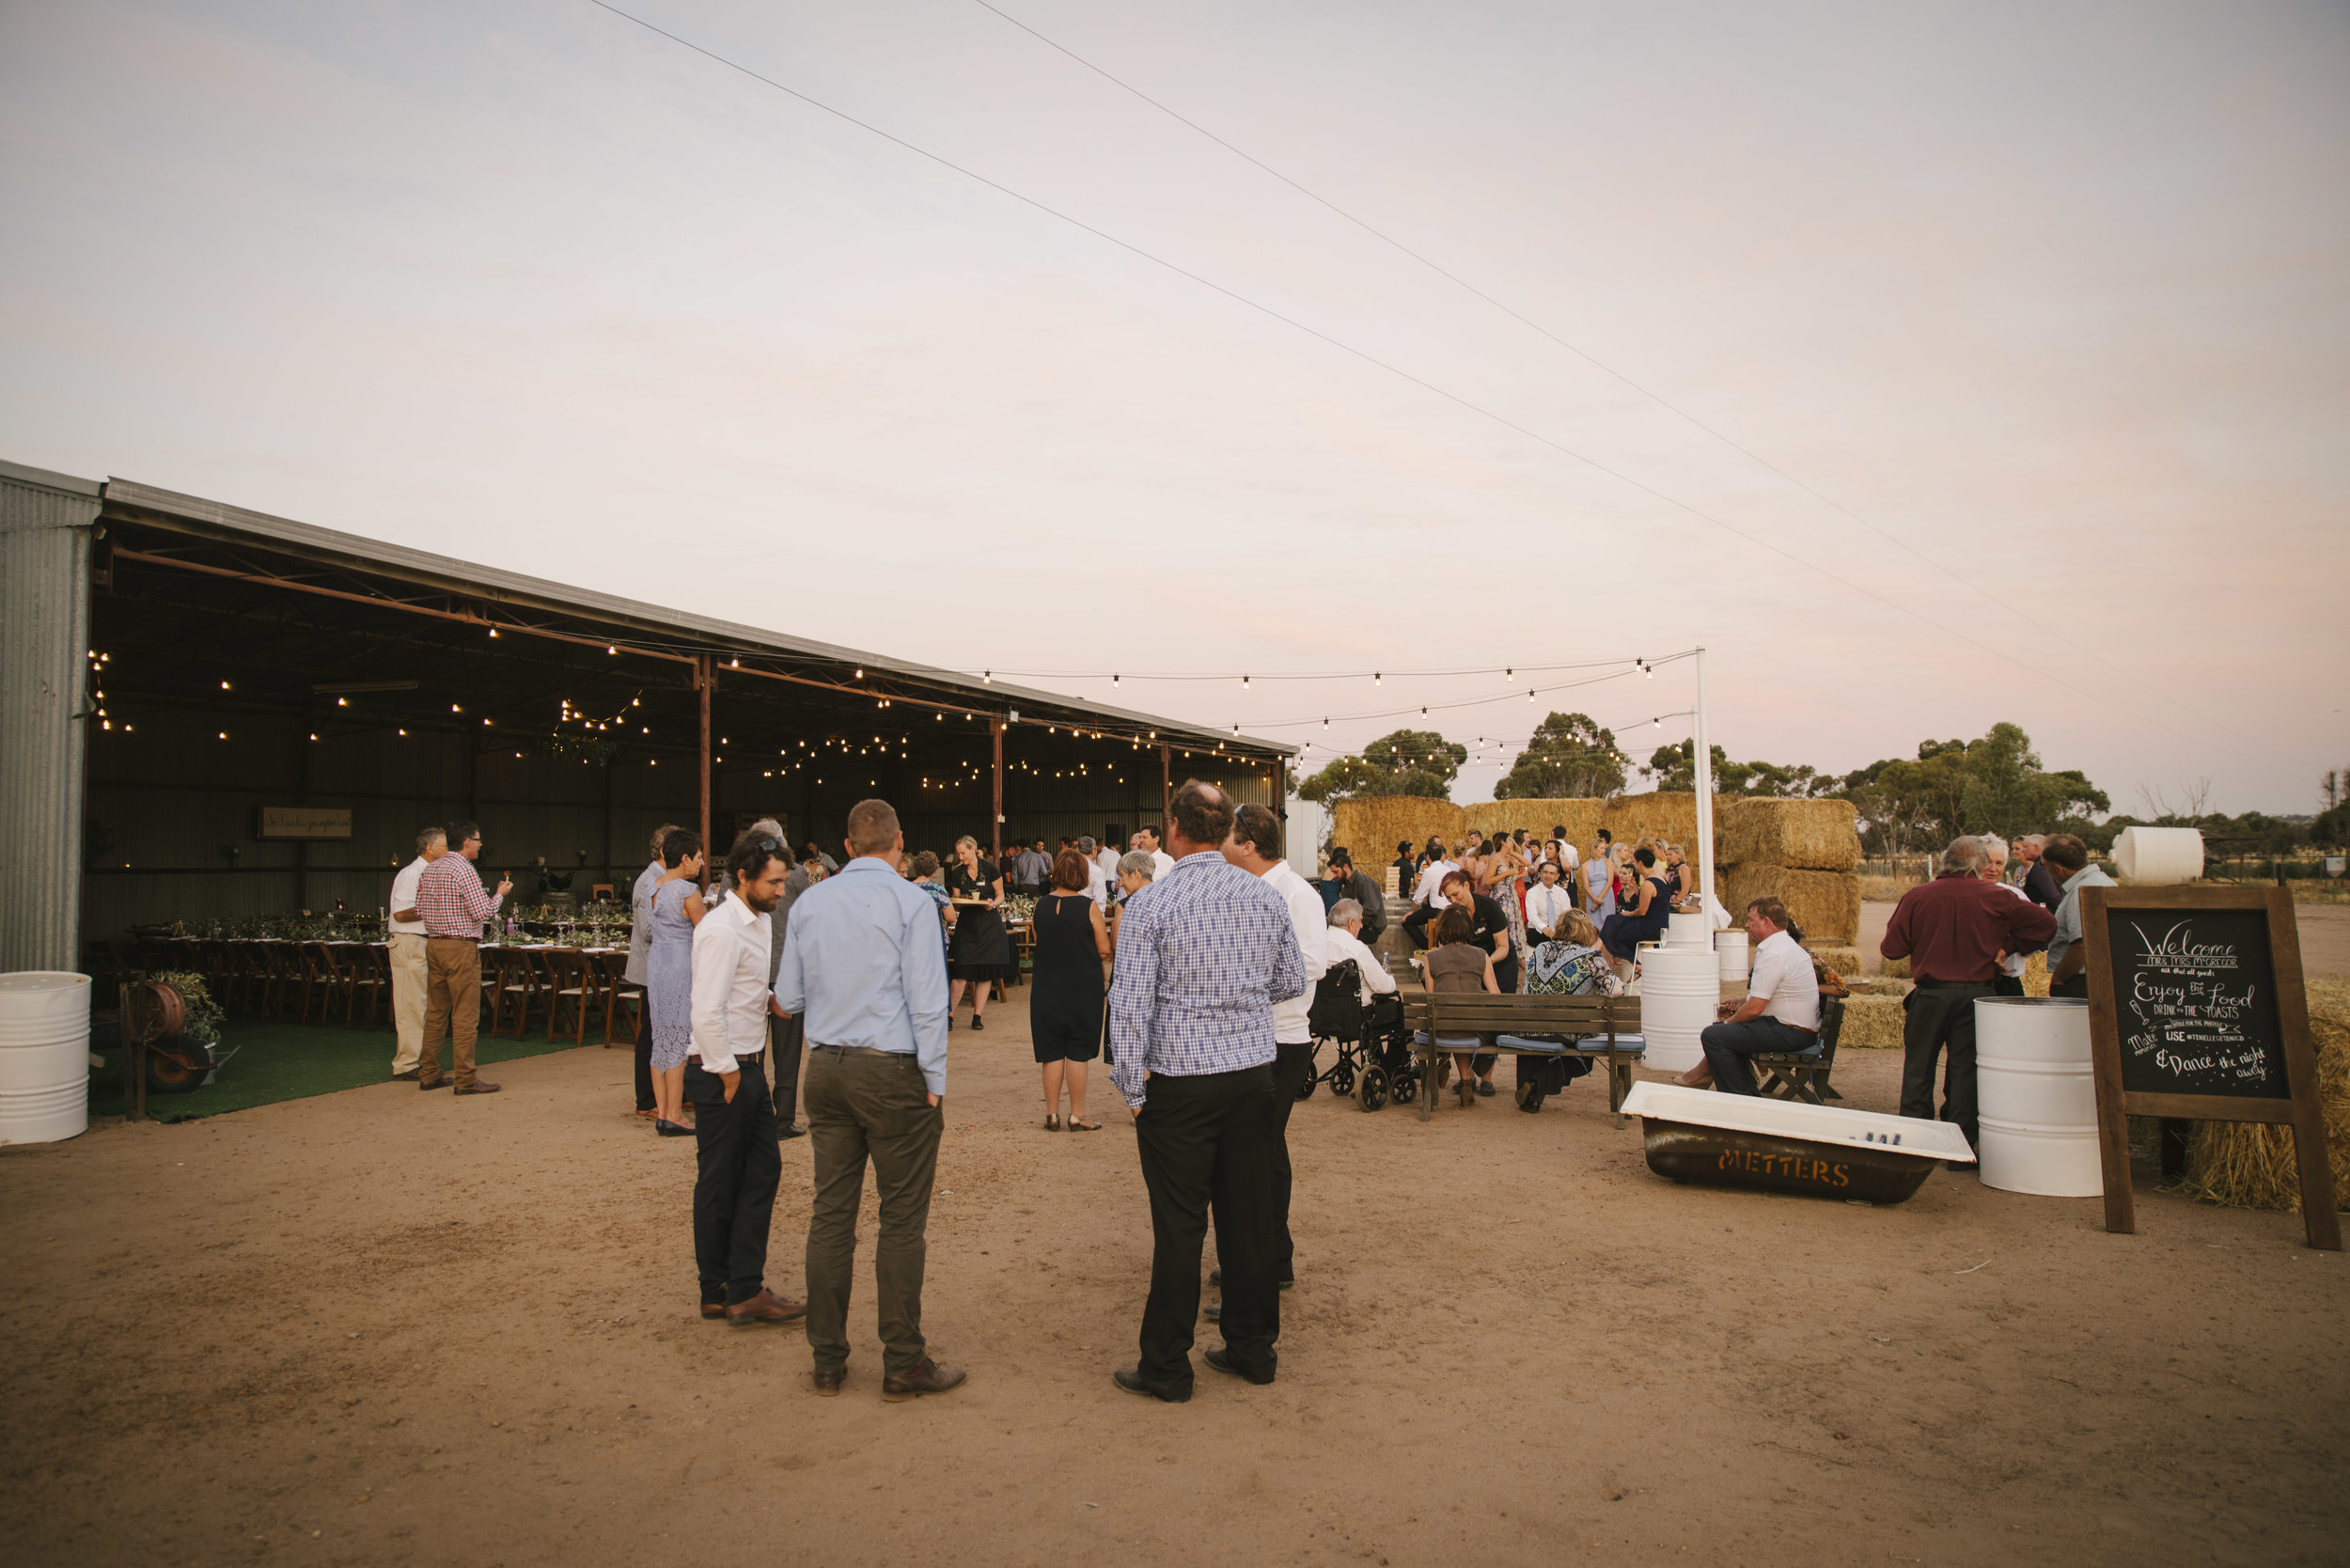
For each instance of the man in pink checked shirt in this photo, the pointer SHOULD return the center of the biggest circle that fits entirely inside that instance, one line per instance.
(451, 903)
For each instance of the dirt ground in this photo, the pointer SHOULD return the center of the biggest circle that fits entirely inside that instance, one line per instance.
(381, 1327)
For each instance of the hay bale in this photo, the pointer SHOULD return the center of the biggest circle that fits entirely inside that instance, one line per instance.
(1827, 905)
(1840, 960)
(1369, 829)
(1895, 968)
(2036, 975)
(1872, 1024)
(1811, 834)
(2250, 1166)
(1877, 986)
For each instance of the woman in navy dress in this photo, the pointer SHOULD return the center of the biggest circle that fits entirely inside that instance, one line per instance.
(1065, 1004)
(1643, 913)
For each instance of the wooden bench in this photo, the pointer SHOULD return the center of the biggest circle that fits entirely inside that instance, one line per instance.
(1464, 1012)
(1803, 1074)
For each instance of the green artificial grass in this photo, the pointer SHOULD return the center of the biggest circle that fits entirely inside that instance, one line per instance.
(292, 1061)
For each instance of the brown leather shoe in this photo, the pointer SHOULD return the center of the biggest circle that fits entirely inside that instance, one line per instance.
(408, 1076)
(928, 1378)
(766, 1307)
(477, 1086)
(827, 1382)
(437, 1083)
(714, 1310)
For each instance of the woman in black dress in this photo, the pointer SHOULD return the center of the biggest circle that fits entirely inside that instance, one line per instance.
(1065, 1005)
(980, 951)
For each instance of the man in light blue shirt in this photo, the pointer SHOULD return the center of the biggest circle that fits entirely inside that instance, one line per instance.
(2067, 859)
(860, 969)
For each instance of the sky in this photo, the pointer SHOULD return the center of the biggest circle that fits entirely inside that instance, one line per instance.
(1929, 366)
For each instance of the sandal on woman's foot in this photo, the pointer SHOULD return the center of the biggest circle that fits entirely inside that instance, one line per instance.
(1052, 1123)
(1076, 1125)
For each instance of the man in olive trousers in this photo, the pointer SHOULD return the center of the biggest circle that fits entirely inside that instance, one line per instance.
(860, 969)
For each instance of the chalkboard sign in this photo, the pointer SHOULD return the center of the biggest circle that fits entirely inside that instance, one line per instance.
(2196, 997)
(2196, 1011)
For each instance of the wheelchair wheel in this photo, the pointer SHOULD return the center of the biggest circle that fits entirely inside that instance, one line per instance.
(1342, 1077)
(1403, 1086)
(1373, 1089)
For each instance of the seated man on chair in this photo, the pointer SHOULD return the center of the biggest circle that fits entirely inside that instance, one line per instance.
(1781, 1012)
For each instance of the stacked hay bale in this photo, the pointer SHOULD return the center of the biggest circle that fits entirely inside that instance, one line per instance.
(2248, 1165)
(1369, 829)
(1807, 853)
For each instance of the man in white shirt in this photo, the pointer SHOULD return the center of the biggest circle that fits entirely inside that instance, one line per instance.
(1781, 1012)
(736, 1165)
(1345, 939)
(1255, 847)
(1107, 857)
(1147, 840)
(2009, 981)
(408, 967)
(1098, 877)
(635, 974)
(1428, 898)
(1548, 903)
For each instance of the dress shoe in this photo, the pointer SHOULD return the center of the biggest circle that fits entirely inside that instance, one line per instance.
(714, 1310)
(827, 1380)
(766, 1307)
(1130, 1379)
(927, 1378)
(1222, 1361)
(672, 1129)
(478, 1087)
(788, 1130)
(407, 1077)
(437, 1083)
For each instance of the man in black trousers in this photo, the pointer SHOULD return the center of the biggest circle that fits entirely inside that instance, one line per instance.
(1203, 954)
(1953, 929)
(738, 1166)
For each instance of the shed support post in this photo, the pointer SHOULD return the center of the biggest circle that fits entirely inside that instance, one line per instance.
(1166, 789)
(46, 532)
(705, 676)
(996, 816)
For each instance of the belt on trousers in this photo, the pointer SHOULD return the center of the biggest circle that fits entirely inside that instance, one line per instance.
(859, 1051)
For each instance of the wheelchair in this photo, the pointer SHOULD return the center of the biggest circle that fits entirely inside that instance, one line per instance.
(1374, 1064)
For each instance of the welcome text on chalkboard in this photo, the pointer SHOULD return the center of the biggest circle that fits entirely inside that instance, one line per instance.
(2196, 1011)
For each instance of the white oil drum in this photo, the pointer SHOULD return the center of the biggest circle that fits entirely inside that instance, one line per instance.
(1737, 961)
(1680, 991)
(1690, 931)
(2159, 856)
(44, 1056)
(2036, 1096)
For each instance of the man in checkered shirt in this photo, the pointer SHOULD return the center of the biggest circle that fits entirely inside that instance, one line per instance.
(1203, 953)
(453, 906)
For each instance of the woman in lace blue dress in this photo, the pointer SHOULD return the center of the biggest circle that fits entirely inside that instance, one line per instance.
(677, 909)
(1569, 962)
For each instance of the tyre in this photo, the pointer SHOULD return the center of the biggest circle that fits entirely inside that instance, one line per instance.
(1371, 1091)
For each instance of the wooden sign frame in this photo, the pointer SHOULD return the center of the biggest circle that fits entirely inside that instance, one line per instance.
(2299, 1110)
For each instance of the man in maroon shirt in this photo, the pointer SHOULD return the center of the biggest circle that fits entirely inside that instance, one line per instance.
(1953, 930)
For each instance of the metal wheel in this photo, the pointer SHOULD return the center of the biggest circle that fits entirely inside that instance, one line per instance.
(1404, 1087)
(1342, 1077)
(1373, 1091)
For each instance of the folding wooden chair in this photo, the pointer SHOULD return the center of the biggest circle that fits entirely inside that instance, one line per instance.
(324, 976)
(517, 986)
(1803, 1074)
(622, 995)
(571, 987)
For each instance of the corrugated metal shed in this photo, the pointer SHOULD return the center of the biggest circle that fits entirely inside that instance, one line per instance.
(45, 524)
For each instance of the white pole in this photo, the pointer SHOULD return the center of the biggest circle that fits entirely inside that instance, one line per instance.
(1705, 793)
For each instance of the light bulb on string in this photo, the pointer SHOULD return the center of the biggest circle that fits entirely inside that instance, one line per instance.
(1374, 678)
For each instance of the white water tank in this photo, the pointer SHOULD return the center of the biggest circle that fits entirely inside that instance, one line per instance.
(1737, 962)
(44, 1056)
(2036, 1096)
(2159, 856)
(1680, 991)
(1690, 931)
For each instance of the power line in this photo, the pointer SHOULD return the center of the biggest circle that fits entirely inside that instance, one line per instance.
(1533, 326)
(1393, 369)
(1327, 675)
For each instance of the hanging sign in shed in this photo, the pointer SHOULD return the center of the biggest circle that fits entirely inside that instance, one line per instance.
(2196, 1011)
(302, 822)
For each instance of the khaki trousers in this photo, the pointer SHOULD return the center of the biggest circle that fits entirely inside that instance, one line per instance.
(409, 977)
(452, 1004)
(876, 1109)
